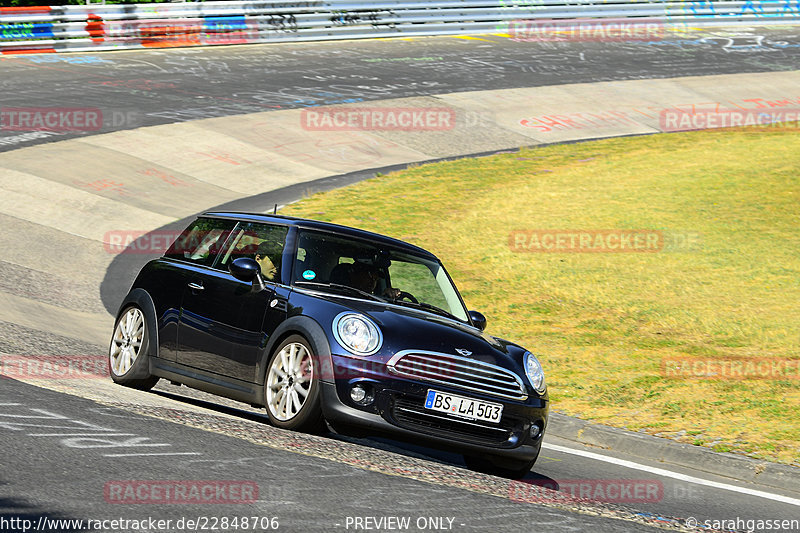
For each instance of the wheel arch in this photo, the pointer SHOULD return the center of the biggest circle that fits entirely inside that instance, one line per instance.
(142, 299)
(309, 329)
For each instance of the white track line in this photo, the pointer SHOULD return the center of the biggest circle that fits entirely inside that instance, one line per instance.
(674, 475)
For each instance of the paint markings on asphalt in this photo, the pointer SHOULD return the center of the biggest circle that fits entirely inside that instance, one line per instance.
(82, 434)
(147, 454)
(79, 434)
(675, 475)
(26, 416)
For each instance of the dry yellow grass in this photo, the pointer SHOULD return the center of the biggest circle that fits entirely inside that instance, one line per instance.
(603, 322)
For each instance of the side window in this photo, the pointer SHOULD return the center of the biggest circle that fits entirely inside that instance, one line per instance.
(262, 242)
(202, 241)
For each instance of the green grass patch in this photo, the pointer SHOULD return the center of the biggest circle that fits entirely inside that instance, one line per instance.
(603, 322)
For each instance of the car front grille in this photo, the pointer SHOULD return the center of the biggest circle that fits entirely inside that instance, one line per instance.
(459, 372)
(411, 414)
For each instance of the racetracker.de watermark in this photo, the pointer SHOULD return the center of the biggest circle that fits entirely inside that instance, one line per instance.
(60, 119)
(141, 242)
(601, 490)
(672, 120)
(602, 241)
(378, 119)
(180, 492)
(600, 30)
(733, 368)
(26, 523)
(53, 367)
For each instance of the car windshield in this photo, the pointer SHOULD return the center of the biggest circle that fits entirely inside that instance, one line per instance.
(342, 265)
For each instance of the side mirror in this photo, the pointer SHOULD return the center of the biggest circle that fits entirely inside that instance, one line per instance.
(245, 269)
(478, 320)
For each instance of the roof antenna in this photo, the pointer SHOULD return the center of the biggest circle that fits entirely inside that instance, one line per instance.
(275, 210)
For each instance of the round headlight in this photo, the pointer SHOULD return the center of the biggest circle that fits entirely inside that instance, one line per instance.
(535, 373)
(357, 333)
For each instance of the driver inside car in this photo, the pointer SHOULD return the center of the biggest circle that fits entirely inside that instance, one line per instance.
(365, 277)
(268, 257)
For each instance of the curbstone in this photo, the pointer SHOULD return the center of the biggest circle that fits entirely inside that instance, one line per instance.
(729, 465)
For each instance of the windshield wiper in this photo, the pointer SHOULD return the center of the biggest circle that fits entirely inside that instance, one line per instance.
(439, 310)
(429, 307)
(342, 287)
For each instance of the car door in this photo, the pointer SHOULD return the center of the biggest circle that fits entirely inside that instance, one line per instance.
(225, 323)
(194, 248)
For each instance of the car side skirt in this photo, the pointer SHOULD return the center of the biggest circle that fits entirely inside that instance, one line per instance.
(191, 377)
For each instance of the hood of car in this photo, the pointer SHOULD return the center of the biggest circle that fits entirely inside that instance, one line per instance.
(407, 328)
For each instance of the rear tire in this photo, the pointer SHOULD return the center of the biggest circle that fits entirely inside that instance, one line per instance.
(292, 388)
(128, 355)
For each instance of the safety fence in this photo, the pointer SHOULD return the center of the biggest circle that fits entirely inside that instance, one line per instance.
(121, 26)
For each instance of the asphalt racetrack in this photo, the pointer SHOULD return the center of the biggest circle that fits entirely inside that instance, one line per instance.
(146, 88)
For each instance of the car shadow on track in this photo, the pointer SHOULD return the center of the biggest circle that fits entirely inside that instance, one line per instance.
(407, 449)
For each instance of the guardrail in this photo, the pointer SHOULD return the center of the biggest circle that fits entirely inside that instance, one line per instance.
(121, 26)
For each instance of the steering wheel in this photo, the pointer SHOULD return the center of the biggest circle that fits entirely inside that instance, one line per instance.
(408, 295)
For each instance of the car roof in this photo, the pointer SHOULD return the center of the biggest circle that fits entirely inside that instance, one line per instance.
(321, 226)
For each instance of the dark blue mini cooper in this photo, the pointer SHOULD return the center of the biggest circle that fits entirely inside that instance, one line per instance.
(320, 322)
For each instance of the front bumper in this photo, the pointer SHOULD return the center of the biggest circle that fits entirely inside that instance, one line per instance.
(396, 409)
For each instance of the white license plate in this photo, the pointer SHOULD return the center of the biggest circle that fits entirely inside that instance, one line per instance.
(463, 407)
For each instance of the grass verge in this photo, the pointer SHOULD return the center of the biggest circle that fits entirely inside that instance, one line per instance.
(724, 287)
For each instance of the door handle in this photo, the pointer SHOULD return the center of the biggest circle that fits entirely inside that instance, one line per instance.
(196, 286)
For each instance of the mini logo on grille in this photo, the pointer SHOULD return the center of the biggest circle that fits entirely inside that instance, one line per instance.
(462, 351)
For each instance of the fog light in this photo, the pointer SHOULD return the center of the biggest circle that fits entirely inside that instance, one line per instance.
(357, 394)
(534, 431)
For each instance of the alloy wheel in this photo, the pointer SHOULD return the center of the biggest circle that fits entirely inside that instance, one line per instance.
(289, 381)
(127, 341)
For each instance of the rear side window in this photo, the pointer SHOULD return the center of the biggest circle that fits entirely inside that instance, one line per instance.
(202, 241)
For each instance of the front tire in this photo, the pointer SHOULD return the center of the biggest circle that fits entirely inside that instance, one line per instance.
(128, 362)
(292, 388)
(502, 466)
